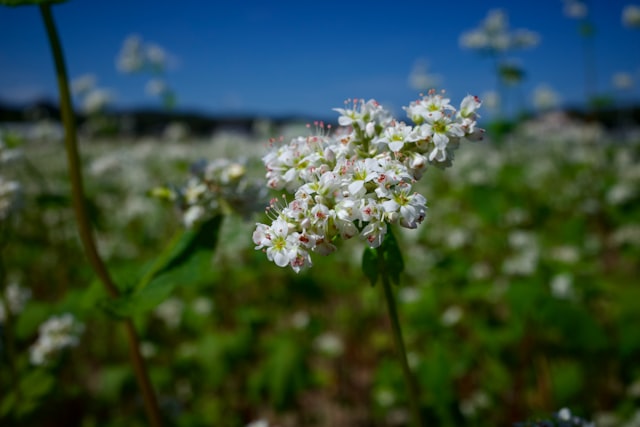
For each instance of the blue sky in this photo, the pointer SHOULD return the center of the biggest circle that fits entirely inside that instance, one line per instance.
(303, 57)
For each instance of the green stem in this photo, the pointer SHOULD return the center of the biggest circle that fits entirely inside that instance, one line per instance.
(82, 215)
(410, 382)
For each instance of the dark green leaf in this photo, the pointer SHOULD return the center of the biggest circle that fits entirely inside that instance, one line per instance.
(394, 264)
(370, 265)
(188, 262)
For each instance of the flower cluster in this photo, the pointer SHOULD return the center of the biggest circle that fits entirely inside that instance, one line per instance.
(493, 35)
(358, 179)
(9, 189)
(216, 187)
(13, 301)
(56, 334)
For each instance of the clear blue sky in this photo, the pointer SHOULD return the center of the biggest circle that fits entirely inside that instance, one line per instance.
(304, 57)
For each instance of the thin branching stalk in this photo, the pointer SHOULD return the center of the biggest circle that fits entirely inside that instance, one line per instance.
(410, 382)
(82, 216)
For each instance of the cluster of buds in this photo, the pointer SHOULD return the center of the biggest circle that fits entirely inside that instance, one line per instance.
(216, 187)
(358, 179)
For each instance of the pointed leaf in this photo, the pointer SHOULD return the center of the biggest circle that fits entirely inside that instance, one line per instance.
(370, 265)
(394, 264)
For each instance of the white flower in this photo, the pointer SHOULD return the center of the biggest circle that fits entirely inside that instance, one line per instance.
(493, 35)
(358, 180)
(170, 311)
(631, 16)
(16, 298)
(56, 334)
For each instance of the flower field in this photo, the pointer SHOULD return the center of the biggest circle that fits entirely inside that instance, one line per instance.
(519, 294)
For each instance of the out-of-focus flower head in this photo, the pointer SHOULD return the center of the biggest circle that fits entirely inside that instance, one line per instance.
(221, 186)
(135, 56)
(420, 79)
(16, 298)
(545, 98)
(575, 9)
(55, 334)
(631, 16)
(9, 189)
(622, 80)
(493, 35)
(358, 179)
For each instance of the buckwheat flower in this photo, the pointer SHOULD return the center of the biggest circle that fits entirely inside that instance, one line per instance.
(217, 187)
(170, 312)
(131, 57)
(9, 192)
(493, 35)
(258, 423)
(16, 298)
(83, 84)
(55, 335)
(358, 179)
(575, 9)
(96, 100)
(631, 16)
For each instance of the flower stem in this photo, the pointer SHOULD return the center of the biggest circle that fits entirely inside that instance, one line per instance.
(82, 215)
(410, 382)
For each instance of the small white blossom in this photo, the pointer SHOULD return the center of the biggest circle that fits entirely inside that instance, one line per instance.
(16, 298)
(56, 334)
(631, 16)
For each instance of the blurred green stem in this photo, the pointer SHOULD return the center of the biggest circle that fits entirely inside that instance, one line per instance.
(82, 216)
(410, 382)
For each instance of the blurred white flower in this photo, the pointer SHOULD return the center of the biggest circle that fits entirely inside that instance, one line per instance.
(562, 286)
(575, 9)
(170, 311)
(451, 315)
(493, 35)
(96, 100)
(8, 196)
(202, 306)
(258, 423)
(16, 298)
(56, 334)
(631, 16)
(566, 254)
(524, 259)
(329, 343)
(385, 397)
(300, 319)
(409, 294)
(148, 349)
(83, 84)
(156, 87)
(545, 98)
(420, 79)
(470, 406)
(621, 193)
(131, 57)
(622, 81)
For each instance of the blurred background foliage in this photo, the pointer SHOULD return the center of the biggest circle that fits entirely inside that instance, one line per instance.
(520, 294)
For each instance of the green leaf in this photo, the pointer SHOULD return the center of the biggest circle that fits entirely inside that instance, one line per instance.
(370, 265)
(14, 3)
(393, 262)
(187, 262)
